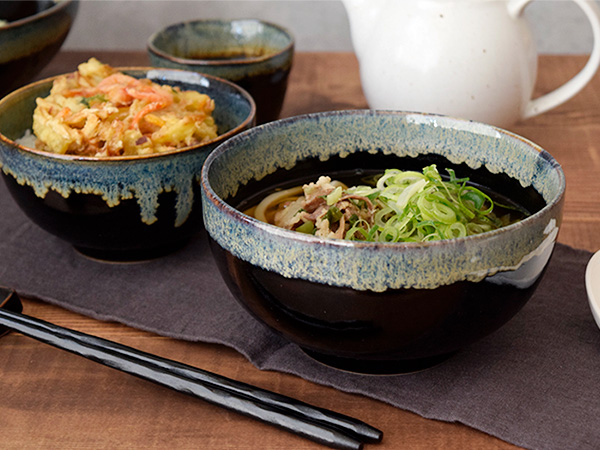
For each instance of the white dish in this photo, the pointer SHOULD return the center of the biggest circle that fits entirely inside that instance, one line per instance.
(592, 284)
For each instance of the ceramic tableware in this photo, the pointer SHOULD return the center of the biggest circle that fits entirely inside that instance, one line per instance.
(377, 307)
(254, 54)
(592, 284)
(467, 58)
(121, 207)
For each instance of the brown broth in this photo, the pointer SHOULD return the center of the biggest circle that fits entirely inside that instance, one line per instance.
(233, 54)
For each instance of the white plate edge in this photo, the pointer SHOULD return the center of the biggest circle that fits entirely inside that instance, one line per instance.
(593, 285)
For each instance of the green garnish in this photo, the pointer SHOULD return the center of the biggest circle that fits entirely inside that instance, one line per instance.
(307, 228)
(87, 101)
(334, 196)
(333, 215)
(417, 207)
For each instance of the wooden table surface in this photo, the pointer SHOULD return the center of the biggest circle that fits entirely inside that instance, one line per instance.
(53, 399)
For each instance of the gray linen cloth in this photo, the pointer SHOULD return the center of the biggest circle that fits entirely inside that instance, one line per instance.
(534, 382)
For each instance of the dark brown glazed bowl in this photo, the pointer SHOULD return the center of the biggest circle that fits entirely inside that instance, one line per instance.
(380, 307)
(116, 208)
(33, 35)
(254, 54)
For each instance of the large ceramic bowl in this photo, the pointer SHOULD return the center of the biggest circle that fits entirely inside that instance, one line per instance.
(255, 54)
(127, 207)
(380, 307)
(33, 33)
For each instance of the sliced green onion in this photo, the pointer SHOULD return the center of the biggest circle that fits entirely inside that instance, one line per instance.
(307, 227)
(333, 215)
(411, 206)
(334, 196)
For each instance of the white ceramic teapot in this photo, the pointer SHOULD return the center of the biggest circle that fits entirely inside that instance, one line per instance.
(474, 59)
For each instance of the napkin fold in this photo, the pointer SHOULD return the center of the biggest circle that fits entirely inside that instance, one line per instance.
(533, 383)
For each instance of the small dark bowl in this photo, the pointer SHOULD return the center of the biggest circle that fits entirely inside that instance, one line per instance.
(116, 208)
(33, 35)
(256, 55)
(380, 307)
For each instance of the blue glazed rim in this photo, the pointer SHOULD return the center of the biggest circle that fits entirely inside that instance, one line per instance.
(381, 266)
(214, 62)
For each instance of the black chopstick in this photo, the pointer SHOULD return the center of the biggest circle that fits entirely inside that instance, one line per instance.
(353, 427)
(321, 425)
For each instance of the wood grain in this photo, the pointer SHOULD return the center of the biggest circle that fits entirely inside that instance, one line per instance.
(52, 399)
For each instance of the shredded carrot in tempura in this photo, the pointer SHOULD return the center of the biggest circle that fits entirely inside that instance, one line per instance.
(98, 111)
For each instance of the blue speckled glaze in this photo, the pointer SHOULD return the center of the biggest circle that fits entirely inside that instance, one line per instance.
(515, 254)
(113, 181)
(120, 178)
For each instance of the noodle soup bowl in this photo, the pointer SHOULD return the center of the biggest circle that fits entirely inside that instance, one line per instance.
(380, 307)
(121, 207)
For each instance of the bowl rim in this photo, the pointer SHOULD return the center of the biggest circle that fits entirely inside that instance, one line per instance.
(152, 48)
(107, 159)
(240, 217)
(58, 5)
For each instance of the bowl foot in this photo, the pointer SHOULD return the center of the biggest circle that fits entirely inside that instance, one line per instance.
(129, 256)
(377, 367)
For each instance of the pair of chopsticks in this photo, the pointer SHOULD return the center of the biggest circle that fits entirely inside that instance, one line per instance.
(320, 425)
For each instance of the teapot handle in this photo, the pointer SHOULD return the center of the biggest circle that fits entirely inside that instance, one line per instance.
(578, 82)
